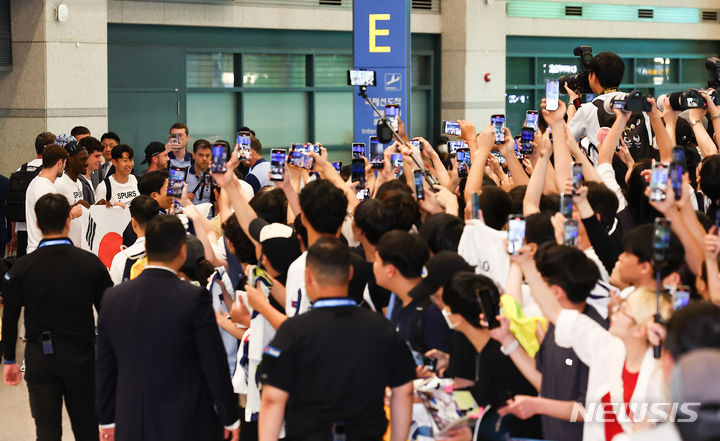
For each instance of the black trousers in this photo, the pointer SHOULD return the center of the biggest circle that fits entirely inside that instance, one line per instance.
(67, 374)
(22, 243)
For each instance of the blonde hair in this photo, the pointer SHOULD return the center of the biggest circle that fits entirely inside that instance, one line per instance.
(644, 305)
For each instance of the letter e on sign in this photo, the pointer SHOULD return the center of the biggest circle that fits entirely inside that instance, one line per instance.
(373, 32)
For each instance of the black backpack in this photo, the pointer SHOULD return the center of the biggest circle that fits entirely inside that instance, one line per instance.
(15, 200)
(635, 134)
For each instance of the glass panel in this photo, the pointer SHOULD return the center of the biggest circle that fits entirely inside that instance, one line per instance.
(556, 67)
(519, 70)
(334, 118)
(693, 71)
(331, 70)
(420, 111)
(209, 70)
(273, 70)
(656, 71)
(420, 70)
(518, 101)
(211, 116)
(265, 112)
(629, 69)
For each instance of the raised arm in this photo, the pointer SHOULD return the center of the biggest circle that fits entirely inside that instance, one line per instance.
(539, 289)
(531, 201)
(705, 142)
(441, 172)
(662, 137)
(588, 170)
(563, 161)
(484, 142)
(712, 247)
(514, 165)
(606, 149)
(291, 194)
(694, 253)
(237, 196)
(328, 172)
(204, 230)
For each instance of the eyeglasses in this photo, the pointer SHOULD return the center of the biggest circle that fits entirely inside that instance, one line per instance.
(619, 309)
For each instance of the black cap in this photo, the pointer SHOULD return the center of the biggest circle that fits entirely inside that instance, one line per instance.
(437, 272)
(73, 148)
(152, 149)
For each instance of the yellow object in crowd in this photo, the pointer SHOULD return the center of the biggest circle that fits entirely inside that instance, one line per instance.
(523, 328)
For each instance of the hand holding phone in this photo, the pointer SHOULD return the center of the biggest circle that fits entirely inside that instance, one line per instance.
(498, 125)
(552, 94)
(277, 164)
(219, 159)
(418, 181)
(516, 233)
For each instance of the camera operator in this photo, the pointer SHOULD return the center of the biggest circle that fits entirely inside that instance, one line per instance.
(606, 71)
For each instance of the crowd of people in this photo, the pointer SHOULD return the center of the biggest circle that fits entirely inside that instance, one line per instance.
(568, 284)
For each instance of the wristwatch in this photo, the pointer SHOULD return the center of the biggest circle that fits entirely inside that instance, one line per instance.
(695, 121)
(510, 349)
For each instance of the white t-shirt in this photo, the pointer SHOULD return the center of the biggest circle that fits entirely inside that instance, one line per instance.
(120, 192)
(73, 192)
(38, 188)
(32, 165)
(296, 299)
(134, 252)
(484, 248)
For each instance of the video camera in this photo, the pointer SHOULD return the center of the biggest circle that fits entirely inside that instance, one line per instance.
(632, 102)
(690, 99)
(580, 82)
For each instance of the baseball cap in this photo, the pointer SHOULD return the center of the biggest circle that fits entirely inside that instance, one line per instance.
(195, 251)
(279, 243)
(152, 149)
(63, 139)
(73, 147)
(437, 272)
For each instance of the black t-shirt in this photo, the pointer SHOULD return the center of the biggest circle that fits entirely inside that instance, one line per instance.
(564, 378)
(361, 275)
(434, 328)
(463, 358)
(379, 295)
(500, 380)
(335, 363)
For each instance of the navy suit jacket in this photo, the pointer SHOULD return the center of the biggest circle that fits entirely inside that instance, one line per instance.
(161, 370)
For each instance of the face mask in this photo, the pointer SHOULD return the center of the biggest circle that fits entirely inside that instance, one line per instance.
(446, 316)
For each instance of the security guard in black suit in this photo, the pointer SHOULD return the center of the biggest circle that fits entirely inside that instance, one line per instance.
(58, 284)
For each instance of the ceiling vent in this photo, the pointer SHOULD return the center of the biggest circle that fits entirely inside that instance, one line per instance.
(709, 15)
(646, 13)
(422, 4)
(573, 11)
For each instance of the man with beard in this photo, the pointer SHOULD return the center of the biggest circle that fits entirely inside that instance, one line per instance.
(53, 163)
